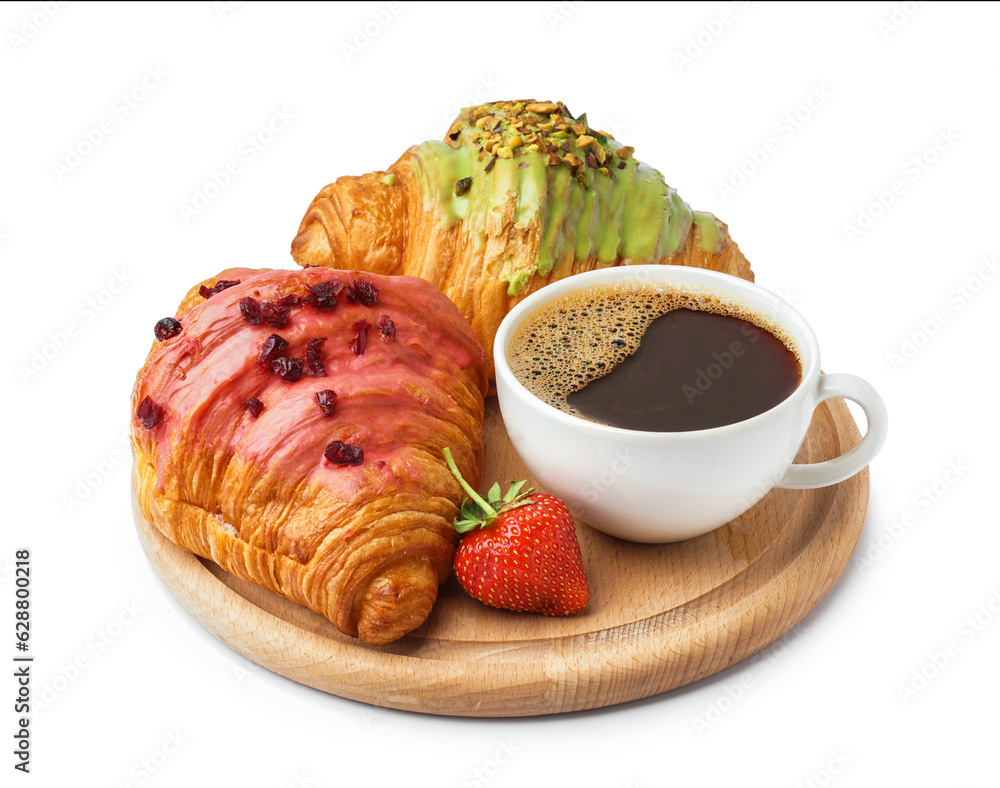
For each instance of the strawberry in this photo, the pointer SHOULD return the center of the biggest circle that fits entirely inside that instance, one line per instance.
(520, 550)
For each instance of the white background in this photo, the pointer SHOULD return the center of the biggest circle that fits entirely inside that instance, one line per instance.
(853, 151)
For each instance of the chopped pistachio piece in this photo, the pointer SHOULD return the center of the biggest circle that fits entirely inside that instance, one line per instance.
(542, 107)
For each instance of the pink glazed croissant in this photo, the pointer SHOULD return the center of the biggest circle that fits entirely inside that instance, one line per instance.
(290, 425)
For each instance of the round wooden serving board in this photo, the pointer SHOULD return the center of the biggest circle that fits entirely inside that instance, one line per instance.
(659, 617)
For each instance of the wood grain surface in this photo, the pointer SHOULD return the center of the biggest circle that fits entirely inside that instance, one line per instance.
(659, 617)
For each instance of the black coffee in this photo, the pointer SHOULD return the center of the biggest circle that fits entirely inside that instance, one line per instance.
(644, 357)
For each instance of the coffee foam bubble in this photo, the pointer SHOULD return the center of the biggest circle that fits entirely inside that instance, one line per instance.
(581, 336)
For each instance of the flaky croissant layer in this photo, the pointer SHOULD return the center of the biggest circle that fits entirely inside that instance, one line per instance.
(292, 428)
(517, 195)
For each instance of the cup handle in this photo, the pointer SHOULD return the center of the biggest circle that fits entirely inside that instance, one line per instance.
(822, 474)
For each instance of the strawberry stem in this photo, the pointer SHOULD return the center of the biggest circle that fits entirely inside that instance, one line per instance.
(488, 510)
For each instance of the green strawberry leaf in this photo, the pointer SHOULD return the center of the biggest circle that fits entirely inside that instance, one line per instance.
(464, 525)
(513, 492)
(517, 504)
(475, 512)
(470, 510)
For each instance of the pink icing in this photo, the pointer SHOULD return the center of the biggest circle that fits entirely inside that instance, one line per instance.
(202, 378)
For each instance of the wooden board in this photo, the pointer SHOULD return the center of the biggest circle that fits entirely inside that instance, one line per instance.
(660, 616)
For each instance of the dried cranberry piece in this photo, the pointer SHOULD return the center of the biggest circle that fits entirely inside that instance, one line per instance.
(324, 295)
(270, 349)
(287, 368)
(149, 413)
(292, 300)
(219, 286)
(314, 363)
(349, 294)
(367, 292)
(326, 399)
(386, 328)
(250, 310)
(360, 341)
(166, 328)
(344, 454)
(255, 406)
(274, 315)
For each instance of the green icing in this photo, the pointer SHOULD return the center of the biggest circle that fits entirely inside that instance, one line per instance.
(711, 231)
(440, 168)
(678, 223)
(553, 242)
(389, 179)
(582, 211)
(516, 281)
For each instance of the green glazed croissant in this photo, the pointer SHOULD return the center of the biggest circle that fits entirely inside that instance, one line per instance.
(518, 194)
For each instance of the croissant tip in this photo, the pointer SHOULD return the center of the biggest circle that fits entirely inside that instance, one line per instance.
(311, 246)
(398, 601)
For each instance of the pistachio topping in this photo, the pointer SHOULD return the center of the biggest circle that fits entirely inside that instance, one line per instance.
(511, 129)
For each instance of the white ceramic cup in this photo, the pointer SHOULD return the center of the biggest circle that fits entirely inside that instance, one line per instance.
(669, 486)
